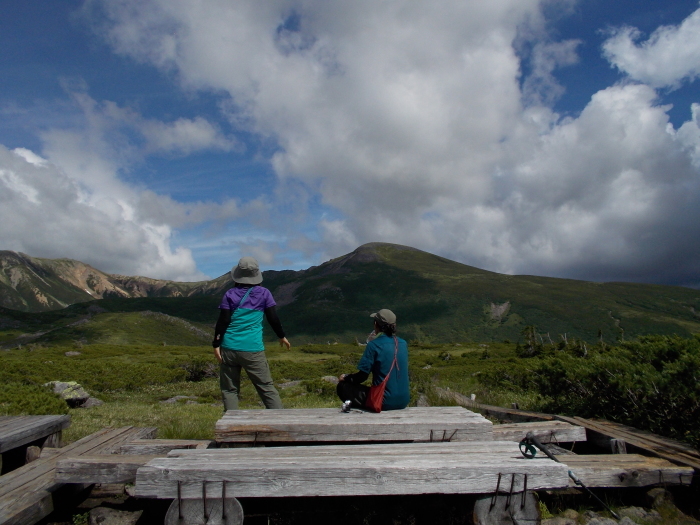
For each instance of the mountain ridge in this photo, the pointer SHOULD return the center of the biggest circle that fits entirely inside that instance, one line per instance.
(436, 299)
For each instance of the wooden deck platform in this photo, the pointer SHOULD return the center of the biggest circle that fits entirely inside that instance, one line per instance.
(339, 470)
(601, 431)
(26, 494)
(330, 425)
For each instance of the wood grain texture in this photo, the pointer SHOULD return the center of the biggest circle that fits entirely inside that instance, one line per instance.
(16, 431)
(337, 470)
(672, 450)
(626, 470)
(348, 452)
(103, 468)
(416, 424)
(161, 447)
(26, 493)
(546, 431)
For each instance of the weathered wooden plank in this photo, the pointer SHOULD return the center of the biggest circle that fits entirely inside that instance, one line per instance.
(160, 480)
(20, 430)
(103, 468)
(27, 508)
(24, 492)
(133, 433)
(546, 431)
(626, 470)
(334, 470)
(161, 447)
(347, 452)
(666, 448)
(332, 425)
(18, 478)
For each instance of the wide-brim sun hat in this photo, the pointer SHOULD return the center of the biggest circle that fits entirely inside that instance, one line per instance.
(384, 316)
(247, 271)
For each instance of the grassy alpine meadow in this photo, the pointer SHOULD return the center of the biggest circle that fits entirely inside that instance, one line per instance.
(652, 383)
(175, 388)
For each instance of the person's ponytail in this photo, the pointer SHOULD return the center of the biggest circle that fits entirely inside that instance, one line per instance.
(389, 329)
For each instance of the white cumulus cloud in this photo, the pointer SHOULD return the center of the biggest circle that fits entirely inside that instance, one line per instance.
(70, 201)
(46, 213)
(410, 120)
(670, 56)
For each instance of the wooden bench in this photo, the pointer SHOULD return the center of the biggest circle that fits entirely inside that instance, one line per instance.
(26, 494)
(330, 425)
(18, 431)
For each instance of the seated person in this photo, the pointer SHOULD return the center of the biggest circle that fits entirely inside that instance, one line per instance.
(377, 359)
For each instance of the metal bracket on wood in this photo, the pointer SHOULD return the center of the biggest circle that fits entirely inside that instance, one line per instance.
(444, 438)
(522, 500)
(223, 500)
(510, 493)
(179, 500)
(204, 499)
(495, 494)
(553, 436)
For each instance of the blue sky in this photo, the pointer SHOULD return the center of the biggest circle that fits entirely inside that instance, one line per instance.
(169, 138)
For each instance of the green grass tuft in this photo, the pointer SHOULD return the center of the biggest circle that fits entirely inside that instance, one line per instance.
(18, 399)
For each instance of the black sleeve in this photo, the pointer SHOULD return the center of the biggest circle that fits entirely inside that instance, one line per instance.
(275, 323)
(357, 377)
(221, 326)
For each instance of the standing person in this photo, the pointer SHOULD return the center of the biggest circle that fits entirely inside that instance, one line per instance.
(238, 341)
(377, 359)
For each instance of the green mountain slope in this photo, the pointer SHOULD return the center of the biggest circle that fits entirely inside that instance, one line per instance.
(442, 300)
(435, 299)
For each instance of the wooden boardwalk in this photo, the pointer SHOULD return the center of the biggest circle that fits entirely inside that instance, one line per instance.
(330, 425)
(26, 494)
(324, 452)
(601, 431)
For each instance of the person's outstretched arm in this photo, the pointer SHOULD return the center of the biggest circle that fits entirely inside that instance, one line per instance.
(219, 331)
(276, 324)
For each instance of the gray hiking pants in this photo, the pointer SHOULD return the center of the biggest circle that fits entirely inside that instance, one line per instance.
(255, 365)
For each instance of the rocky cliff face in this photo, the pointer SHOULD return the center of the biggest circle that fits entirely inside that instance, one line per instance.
(32, 284)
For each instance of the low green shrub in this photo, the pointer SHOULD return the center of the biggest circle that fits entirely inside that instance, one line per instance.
(652, 384)
(17, 399)
(319, 386)
(198, 368)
